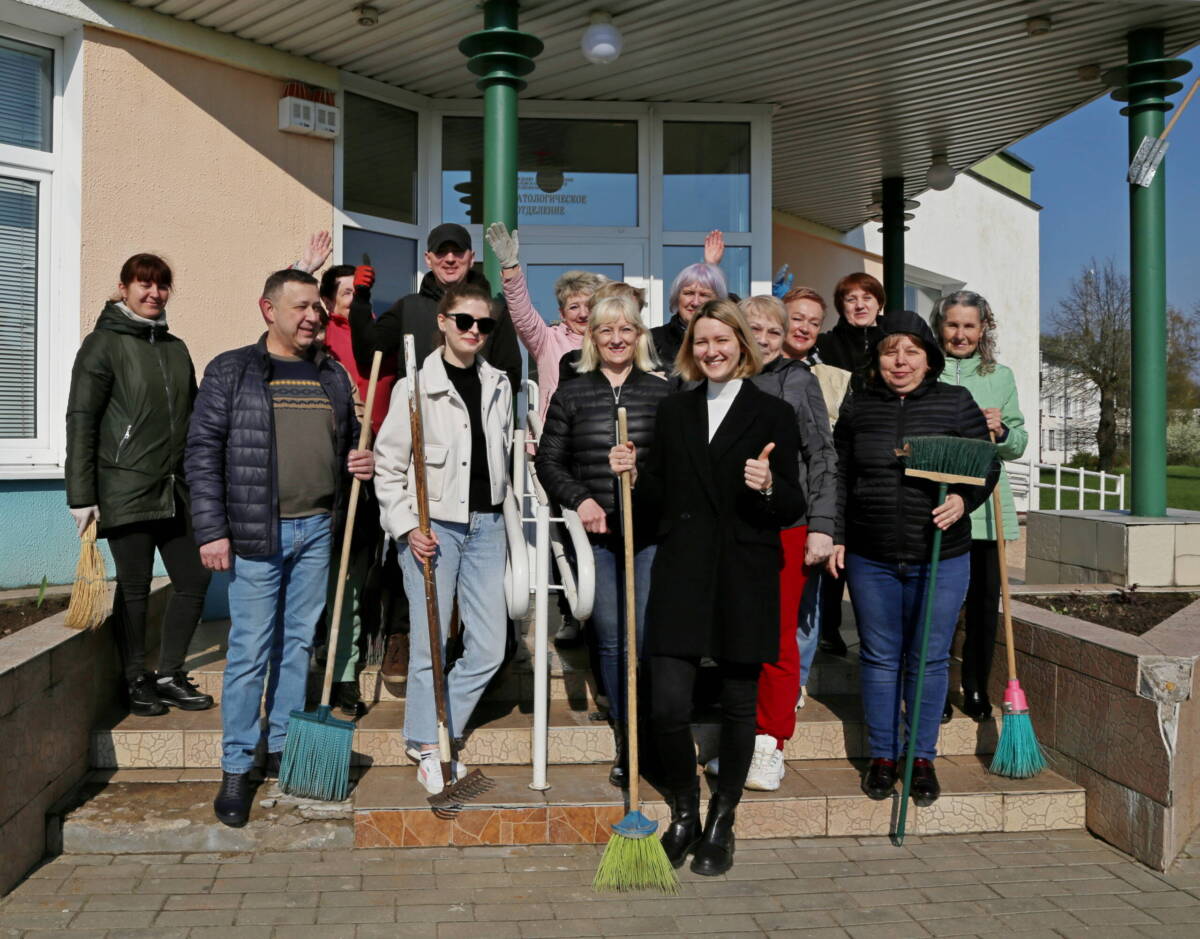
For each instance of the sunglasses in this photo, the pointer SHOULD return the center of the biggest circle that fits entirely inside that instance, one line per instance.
(464, 321)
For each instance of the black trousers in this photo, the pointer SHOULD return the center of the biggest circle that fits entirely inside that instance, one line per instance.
(672, 682)
(832, 591)
(981, 618)
(132, 548)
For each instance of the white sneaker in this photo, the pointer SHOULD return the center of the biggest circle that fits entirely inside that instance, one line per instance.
(429, 771)
(803, 699)
(766, 766)
(713, 766)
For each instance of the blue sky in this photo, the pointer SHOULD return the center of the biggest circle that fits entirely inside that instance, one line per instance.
(1081, 161)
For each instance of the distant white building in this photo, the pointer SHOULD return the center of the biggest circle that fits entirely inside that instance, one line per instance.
(1070, 414)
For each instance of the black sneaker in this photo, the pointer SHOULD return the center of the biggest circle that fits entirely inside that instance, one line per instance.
(179, 691)
(348, 700)
(232, 804)
(271, 766)
(143, 698)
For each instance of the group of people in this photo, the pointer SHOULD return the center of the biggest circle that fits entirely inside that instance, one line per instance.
(766, 478)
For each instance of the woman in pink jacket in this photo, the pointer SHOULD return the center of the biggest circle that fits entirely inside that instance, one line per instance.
(547, 344)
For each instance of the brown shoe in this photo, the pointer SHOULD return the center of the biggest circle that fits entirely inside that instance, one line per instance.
(395, 658)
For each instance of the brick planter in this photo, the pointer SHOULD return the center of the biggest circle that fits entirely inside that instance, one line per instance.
(1116, 714)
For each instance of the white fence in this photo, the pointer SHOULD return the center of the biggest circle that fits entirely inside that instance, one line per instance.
(1071, 486)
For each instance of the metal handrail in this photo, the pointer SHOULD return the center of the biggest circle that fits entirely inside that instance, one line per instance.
(516, 563)
(1032, 468)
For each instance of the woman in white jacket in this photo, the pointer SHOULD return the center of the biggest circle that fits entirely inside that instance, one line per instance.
(466, 410)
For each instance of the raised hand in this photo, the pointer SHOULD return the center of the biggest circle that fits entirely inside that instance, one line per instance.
(505, 246)
(364, 277)
(316, 253)
(758, 471)
(714, 247)
(782, 282)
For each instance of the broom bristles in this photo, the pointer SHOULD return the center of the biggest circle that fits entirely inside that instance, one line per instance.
(1018, 754)
(958, 456)
(316, 756)
(635, 864)
(89, 594)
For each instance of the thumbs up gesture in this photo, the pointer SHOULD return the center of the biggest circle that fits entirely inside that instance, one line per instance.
(758, 471)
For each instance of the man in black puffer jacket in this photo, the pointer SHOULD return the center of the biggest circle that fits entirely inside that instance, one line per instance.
(268, 455)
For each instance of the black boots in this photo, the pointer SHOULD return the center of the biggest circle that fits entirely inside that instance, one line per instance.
(925, 787)
(143, 697)
(232, 804)
(683, 831)
(880, 780)
(618, 775)
(714, 853)
(976, 705)
(348, 699)
(178, 691)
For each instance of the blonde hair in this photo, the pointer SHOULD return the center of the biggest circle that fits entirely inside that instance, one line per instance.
(726, 312)
(573, 282)
(618, 288)
(765, 306)
(605, 312)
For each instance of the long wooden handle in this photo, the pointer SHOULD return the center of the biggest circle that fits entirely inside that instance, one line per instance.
(339, 594)
(1179, 111)
(998, 512)
(432, 614)
(631, 698)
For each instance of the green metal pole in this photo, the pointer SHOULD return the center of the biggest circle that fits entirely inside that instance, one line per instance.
(501, 55)
(1148, 294)
(892, 200)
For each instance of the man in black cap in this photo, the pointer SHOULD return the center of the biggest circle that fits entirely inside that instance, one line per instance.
(450, 261)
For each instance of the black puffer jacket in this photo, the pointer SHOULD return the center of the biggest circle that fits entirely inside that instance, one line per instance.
(668, 339)
(572, 457)
(883, 514)
(231, 462)
(851, 348)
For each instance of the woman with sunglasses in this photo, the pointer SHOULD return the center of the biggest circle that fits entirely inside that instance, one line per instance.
(466, 412)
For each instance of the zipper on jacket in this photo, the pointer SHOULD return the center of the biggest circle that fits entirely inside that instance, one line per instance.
(121, 445)
(900, 493)
(170, 414)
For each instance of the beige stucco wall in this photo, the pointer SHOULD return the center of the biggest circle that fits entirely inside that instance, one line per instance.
(182, 157)
(817, 261)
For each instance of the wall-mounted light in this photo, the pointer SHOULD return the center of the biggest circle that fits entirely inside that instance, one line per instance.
(1088, 73)
(367, 15)
(940, 174)
(1038, 26)
(601, 42)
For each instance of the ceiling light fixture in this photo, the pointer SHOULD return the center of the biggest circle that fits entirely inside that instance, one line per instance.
(1038, 26)
(601, 43)
(940, 174)
(367, 15)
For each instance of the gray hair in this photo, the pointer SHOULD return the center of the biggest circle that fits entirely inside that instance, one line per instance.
(987, 324)
(573, 282)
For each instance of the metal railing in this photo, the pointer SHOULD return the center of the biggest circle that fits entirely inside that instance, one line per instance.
(1026, 476)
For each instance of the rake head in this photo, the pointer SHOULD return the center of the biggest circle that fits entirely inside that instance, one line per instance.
(449, 802)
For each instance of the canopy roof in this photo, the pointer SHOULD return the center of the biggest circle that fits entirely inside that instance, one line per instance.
(861, 90)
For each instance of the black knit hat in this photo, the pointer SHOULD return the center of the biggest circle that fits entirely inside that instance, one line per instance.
(906, 321)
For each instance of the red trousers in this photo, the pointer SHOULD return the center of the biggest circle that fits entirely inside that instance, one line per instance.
(779, 682)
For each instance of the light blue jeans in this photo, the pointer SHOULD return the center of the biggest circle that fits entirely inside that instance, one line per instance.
(274, 603)
(808, 629)
(469, 562)
(608, 617)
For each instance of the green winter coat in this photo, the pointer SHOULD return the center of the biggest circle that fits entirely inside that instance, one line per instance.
(132, 389)
(997, 389)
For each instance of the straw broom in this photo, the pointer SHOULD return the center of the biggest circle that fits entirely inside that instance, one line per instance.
(89, 594)
(316, 753)
(1018, 754)
(633, 859)
(946, 461)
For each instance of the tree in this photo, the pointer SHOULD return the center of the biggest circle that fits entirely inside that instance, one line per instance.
(1090, 343)
(1183, 360)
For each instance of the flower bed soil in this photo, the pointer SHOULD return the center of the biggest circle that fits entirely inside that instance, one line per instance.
(1127, 610)
(15, 615)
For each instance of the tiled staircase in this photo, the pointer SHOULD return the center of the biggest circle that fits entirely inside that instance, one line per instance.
(820, 794)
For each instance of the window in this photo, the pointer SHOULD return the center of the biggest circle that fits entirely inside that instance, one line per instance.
(1051, 440)
(18, 307)
(569, 172)
(26, 94)
(706, 176)
(394, 260)
(379, 174)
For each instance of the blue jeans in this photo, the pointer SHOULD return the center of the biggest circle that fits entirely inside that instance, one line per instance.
(274, 603)
(470, 562)
(808, 629)
(888, 601)
(608, 617)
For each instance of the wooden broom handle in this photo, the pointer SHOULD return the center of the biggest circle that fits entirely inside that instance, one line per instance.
(1179, 111)
(631, 700)
(998, 513)
(339, 594)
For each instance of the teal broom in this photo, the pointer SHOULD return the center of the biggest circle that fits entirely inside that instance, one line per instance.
(1018, 754)
(316, 753)
(946, 461)
(633, 859)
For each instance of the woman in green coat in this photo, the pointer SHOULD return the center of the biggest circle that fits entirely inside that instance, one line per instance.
(132, 389)
(964, 324)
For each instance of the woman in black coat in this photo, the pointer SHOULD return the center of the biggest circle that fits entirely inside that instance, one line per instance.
(573, 467)
(724, 476)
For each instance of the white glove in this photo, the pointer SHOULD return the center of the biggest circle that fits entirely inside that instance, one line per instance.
(84, 516)
(504, 245)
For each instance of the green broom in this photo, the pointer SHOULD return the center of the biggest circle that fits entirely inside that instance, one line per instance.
(633, 858)
(946, 461)
(1018, 754)
(316, 754)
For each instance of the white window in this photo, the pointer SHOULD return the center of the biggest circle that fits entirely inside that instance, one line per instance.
(39, 267)
(1051, 440)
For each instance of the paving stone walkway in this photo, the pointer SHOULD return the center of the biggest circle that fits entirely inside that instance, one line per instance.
(1058, 884)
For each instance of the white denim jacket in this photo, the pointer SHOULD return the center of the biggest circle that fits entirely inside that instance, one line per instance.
(447, 429)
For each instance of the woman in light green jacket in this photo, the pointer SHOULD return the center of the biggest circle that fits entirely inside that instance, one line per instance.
(964, 324)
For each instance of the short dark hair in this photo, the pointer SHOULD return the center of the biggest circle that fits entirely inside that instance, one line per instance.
(329, 280)
(148, 267)
(289, 275)
(858, 281)
(464, 291)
